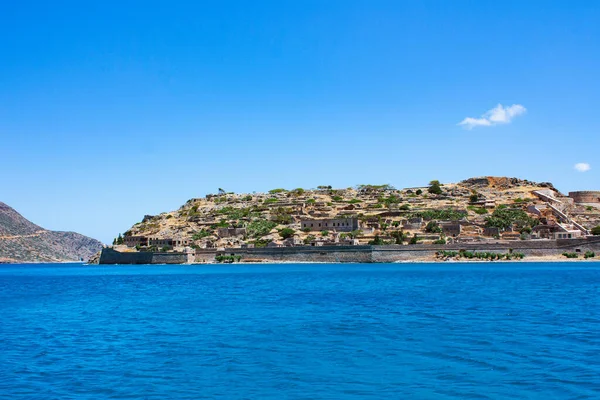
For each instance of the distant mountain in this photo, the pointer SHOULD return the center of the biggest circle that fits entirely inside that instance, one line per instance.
(24, 241)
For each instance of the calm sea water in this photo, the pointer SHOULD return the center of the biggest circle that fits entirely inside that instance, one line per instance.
(453, 331)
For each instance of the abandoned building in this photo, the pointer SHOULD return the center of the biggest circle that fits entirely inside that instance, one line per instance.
(544, 231)
(338, 225)
(491, 231)
(160, 242)
(133, 241)
(451, 229)
(182, 242)
(293, 241)
(231, 232)
(567, 231)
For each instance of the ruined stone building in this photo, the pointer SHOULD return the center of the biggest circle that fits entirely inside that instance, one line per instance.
(338, 225)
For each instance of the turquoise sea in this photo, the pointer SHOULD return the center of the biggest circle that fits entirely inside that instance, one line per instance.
(326, 331)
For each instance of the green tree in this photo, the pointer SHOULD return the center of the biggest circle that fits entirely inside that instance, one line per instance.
(434, 187)
(324, 233)
(596, 230)
(287, 233)
(433, 227)
(399, 236)
(120, 239)
(377, 241)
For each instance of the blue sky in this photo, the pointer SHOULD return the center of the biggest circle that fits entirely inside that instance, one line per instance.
(119, 109)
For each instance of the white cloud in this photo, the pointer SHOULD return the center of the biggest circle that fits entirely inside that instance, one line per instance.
(582, 167)
(471, 123)
(495, 116)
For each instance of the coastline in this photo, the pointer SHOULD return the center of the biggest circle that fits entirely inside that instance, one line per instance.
(531, 260)
(529, 251)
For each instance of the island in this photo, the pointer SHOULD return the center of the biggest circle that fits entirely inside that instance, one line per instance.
(484, 218)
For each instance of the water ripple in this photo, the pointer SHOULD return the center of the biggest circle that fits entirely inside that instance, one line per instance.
(299, 331)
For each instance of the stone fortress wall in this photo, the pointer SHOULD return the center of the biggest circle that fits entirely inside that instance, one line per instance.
(588, 196)
(393, 253)
(355, 254)
(110, 256)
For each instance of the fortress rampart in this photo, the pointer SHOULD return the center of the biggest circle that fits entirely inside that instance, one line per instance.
(357, 254)
(589, 196)
(110, 256)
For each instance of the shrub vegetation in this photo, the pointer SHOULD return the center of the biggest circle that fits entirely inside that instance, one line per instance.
(443, 215)
(286, 233)
(201, 234)
(435, 187)
(260, 227)
(227, 259)
(570, 255)
(480, 255)
(433, 227)
(504, 217)
(278, 190)
(309, 239)
(478, 210)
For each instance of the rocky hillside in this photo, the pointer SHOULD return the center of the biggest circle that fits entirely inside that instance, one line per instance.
(23, 241)
(385, 214)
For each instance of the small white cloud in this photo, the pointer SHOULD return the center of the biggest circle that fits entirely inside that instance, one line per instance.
(495, 116)
(582, 167)
(471, 123)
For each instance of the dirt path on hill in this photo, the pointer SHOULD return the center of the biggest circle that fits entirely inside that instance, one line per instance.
(12, 237)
